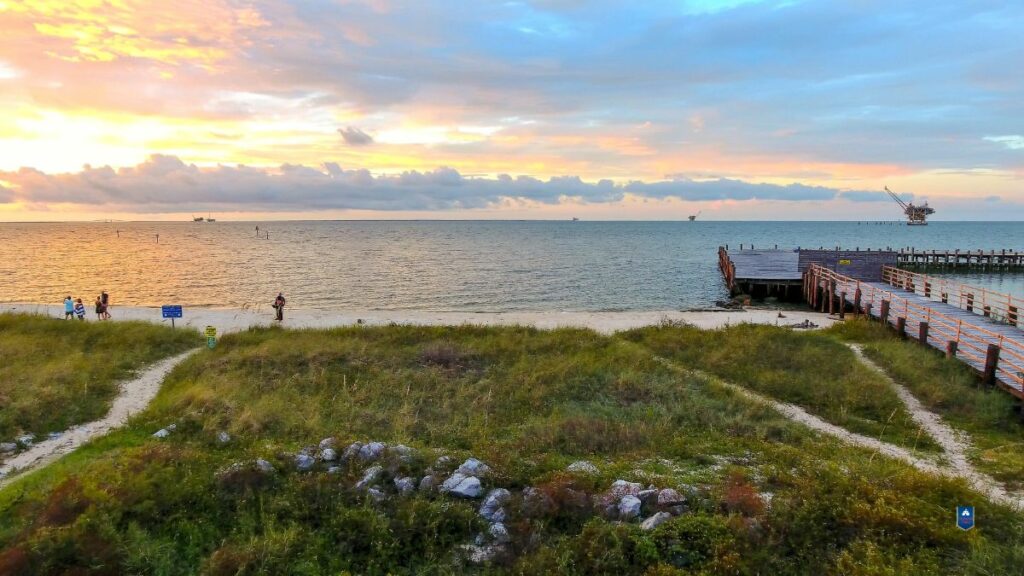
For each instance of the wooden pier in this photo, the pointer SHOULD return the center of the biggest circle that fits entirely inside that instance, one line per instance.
(992, 260)
(976, 328)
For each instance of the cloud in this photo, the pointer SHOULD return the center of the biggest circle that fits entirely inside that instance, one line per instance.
(167, 184)
(355, 137)
(1013, 142)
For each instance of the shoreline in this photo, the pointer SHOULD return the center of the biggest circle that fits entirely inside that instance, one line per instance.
(231, 320)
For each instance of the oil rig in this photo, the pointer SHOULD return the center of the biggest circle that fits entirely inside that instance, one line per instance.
(916, 215)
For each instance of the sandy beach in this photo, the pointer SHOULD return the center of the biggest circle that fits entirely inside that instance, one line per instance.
(227, 320)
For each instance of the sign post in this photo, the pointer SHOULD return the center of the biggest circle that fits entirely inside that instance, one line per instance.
(172, 312)
(211, 337)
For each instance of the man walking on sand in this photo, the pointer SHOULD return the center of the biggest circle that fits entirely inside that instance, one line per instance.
(69, 308)
(279, 306)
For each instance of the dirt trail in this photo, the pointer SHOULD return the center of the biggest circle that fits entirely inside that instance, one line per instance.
(959, 466)
(135, 395)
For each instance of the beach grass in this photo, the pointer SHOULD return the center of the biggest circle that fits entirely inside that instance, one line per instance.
(56, 373)
(954, 391)
(766, 495)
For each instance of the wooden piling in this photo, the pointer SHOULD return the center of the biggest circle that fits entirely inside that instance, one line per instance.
(988, 376)
(922, 333)
(951, 347)
(901, 327)
(842, 305)
(883, 312)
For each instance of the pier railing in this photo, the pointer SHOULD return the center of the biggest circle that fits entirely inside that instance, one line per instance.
(1001, 360)
(982, 301)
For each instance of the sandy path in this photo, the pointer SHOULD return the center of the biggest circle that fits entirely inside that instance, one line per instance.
(134, 397)
(992, 489)
(233, 320)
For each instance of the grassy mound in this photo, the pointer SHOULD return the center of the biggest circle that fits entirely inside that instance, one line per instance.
(56, 373)
(763, 495)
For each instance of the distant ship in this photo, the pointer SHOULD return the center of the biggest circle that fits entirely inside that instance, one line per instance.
(575, 219)
(693, 217)
(209, 219)
(199, 219)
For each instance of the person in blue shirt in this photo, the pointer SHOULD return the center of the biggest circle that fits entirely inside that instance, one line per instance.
(69, 308)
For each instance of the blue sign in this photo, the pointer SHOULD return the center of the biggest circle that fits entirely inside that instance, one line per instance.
(171, 311)
(965, 517)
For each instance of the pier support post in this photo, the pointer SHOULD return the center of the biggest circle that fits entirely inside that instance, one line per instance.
(991, 364)
(883, 312)
(901, 327)
(970, 302)
(951, 347)
(842, 305)
(856, 301)
(922, 333)
(1011, 315)
(927, 289)
(945, 298)
(867, 310)
(987, 311)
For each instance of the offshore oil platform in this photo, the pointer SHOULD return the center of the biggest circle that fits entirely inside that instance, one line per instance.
(916, 215)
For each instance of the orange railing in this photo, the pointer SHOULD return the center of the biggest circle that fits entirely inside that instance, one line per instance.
(966, 340)
(996, 305)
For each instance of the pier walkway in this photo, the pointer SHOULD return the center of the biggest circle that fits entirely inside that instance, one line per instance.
(977, 327)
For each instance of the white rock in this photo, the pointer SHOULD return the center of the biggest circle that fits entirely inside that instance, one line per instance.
(326, 443)
(371, 451)
(161, 433)
(369, 477)
(403, 450)
(172, 427)
(405, 484)
(377, 495)
(304, 462)
(352, 450)
(492, 508)
(264, 466)
(499, 533)
(328, 455)
(26, 439)
(481, 554)
(582, 466)
(629, 507)
(223, 437)
(622, 488)
(653, 522)
(334, 470)
(670, 497)
(474, 467)
(54, 435)
(462, 486)
(428, 483)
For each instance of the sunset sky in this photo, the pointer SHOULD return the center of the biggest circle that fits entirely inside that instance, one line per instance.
(742, 109)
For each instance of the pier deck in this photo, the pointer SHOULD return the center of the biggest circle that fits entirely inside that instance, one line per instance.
(975, 336)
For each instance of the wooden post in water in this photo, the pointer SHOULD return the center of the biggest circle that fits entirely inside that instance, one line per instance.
(951, 347)
(991, 364)
(901, 327)
(922, 333)
(883, 312)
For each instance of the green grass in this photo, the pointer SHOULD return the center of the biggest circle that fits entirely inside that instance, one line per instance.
(527, 402)
(55, 373)
(804, 368)
(951, 389)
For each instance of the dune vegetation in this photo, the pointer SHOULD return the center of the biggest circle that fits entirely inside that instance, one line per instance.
(56, 373)
(248, 481)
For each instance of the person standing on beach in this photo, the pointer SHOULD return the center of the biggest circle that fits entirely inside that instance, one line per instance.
(99, 308)
(80, 310)
(69, 308)
(279, 306)
(106, 305)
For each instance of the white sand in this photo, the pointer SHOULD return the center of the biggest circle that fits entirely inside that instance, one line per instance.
(226, 320)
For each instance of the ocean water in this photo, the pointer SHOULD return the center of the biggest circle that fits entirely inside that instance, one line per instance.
(479, 266)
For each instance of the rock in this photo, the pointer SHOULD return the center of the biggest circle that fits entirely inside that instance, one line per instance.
(352, 451)
(376, 494)
(474, 467)
(161, 433)
(622, 488)
(442, 464)
(326, 443)
(481, 554)
(462, 486)
(264, 466)
(405, 484)
(54, 435)
(403, 450)
(328, 455)
(334, 470)
(629, 507)
(582, 466)
(670, 497)
(767, 497)
(499, 533)
(8, 447)
(648, 497)
(653, 522)
(371, 451)
(493, 507)
(304, 462)
(172, 427)
(369, 477)
(428, 483)
(223, 437)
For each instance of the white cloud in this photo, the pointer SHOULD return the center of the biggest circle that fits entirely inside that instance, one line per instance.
(1013, 142)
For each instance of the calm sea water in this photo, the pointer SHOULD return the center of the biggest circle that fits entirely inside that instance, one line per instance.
(436, 266)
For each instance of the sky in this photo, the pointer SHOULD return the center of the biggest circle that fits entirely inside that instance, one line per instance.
(546, 109)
